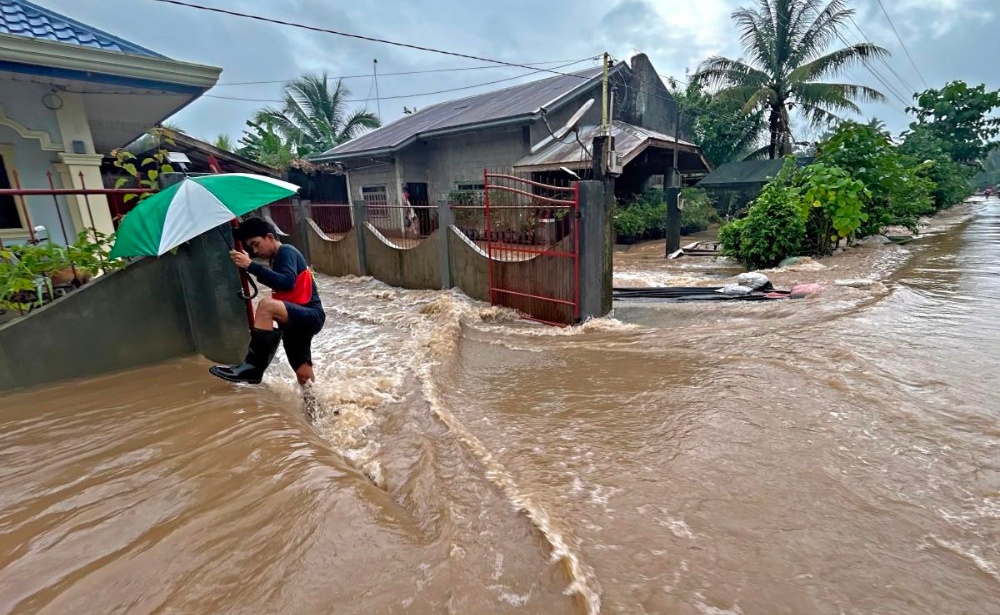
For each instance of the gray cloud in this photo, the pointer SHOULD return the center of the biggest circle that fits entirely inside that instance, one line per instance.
(948, 39)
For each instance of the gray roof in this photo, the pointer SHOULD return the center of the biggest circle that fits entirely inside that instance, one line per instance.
(23, 18)
(630, 141)
(511, 103)
(746, 172)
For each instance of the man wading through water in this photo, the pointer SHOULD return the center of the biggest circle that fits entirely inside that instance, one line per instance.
(295, 305)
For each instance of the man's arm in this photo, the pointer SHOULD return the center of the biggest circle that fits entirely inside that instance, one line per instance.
(281, 275)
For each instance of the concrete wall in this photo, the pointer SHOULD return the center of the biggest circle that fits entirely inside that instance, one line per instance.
(333, 257)
(153, 310)
(418, 267)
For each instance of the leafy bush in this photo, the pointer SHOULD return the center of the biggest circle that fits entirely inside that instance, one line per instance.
(698, 212)
(774, 227)
(832, 203)
(24, 268)
(899, 195)
(645, 217)
(731, 238)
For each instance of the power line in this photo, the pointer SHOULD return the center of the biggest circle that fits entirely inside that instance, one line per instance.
(409, 72)
(878, 76)
(898, 38)
(362, 37)
(864, 36)
(458, 89)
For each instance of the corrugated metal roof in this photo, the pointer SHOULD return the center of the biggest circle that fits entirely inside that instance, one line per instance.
(630, 141)
(23, 18)
(519, 100)
(746, 172)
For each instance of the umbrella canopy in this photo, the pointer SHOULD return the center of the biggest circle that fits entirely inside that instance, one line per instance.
(197, 204)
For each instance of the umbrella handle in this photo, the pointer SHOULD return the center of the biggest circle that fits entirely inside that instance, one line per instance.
(242, 292)
(246, 282)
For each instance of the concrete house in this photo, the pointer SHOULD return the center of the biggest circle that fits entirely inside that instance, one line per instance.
(443, 148)
(68, 94)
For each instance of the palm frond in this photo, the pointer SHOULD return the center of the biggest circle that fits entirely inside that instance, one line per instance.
(836, 61)
(840, 96)
(718, 71)
(821, 32)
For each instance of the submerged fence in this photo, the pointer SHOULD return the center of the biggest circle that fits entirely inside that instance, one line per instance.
(512, 241)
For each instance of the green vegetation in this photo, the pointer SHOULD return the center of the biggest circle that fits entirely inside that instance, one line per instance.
(861, 182)
(788, 66)
(314, 117)
(899, 192)
(29, 269)
(831, 203)
(774, 227)
(645, 217)
(718, 125)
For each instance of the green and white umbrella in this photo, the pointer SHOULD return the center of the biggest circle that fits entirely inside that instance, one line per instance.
(195, 205)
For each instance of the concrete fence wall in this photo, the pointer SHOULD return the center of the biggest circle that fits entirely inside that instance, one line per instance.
(447, 258)
(153, 310)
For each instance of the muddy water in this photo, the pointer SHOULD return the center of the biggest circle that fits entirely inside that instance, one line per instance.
(834, 455)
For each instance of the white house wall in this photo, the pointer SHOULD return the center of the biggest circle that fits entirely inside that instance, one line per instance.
(34, 154)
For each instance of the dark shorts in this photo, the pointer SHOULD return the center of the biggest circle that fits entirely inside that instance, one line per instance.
(303, 323)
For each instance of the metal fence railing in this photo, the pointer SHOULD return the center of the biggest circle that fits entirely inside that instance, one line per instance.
(403, 225)
(334, 219)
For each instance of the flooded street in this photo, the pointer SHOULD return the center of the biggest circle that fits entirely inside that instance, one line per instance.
(833, 455)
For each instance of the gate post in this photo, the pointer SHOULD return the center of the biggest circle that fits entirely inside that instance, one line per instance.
(446, 218)
(596, 250)
(302, 226)
(360, 225)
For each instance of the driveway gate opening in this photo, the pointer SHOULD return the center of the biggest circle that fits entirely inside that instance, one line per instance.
(533, 244)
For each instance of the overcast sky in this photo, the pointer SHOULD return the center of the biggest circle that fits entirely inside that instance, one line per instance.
(948, 39)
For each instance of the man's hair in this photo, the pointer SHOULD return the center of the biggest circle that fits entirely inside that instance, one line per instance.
(255, 227)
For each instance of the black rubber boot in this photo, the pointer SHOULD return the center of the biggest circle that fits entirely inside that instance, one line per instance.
(263, 346)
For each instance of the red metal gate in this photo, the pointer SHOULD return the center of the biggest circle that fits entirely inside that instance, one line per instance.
(533, 244)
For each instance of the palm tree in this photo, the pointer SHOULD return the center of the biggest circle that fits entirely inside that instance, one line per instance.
(223, 142)
(786, 62)
(316, 118)
(263, 144)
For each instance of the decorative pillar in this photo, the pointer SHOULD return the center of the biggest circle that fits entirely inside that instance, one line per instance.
(78, 156)
(70, 167)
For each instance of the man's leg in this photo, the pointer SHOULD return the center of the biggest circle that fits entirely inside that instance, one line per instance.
(270, 311)
(305, 374)
(264, 340)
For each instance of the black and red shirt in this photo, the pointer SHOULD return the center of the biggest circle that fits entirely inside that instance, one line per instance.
(289, 277)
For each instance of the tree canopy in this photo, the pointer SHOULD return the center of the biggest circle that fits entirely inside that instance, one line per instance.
(788, 64)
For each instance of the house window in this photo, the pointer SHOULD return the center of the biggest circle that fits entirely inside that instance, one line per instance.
(376, 201)
(469, 193)
(10, 213)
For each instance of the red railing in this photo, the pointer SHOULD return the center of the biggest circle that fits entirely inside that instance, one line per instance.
(334, 219)
(284, 216)
(533, 244)
(50, 198)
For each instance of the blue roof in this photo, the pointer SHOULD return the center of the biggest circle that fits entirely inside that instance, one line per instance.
(23, 18)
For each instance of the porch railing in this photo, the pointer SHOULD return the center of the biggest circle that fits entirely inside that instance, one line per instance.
(49, 197)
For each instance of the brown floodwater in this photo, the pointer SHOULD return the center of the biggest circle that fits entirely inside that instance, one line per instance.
(835, 455)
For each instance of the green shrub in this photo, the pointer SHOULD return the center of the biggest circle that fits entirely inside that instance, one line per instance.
(899, 195)
(774, 227)
(731, 238)
(698, 212)
(645, 217)
(23, 267)
(833, 204)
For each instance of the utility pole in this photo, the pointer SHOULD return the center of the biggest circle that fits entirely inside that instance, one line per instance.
(673, 191)
(604, 95)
